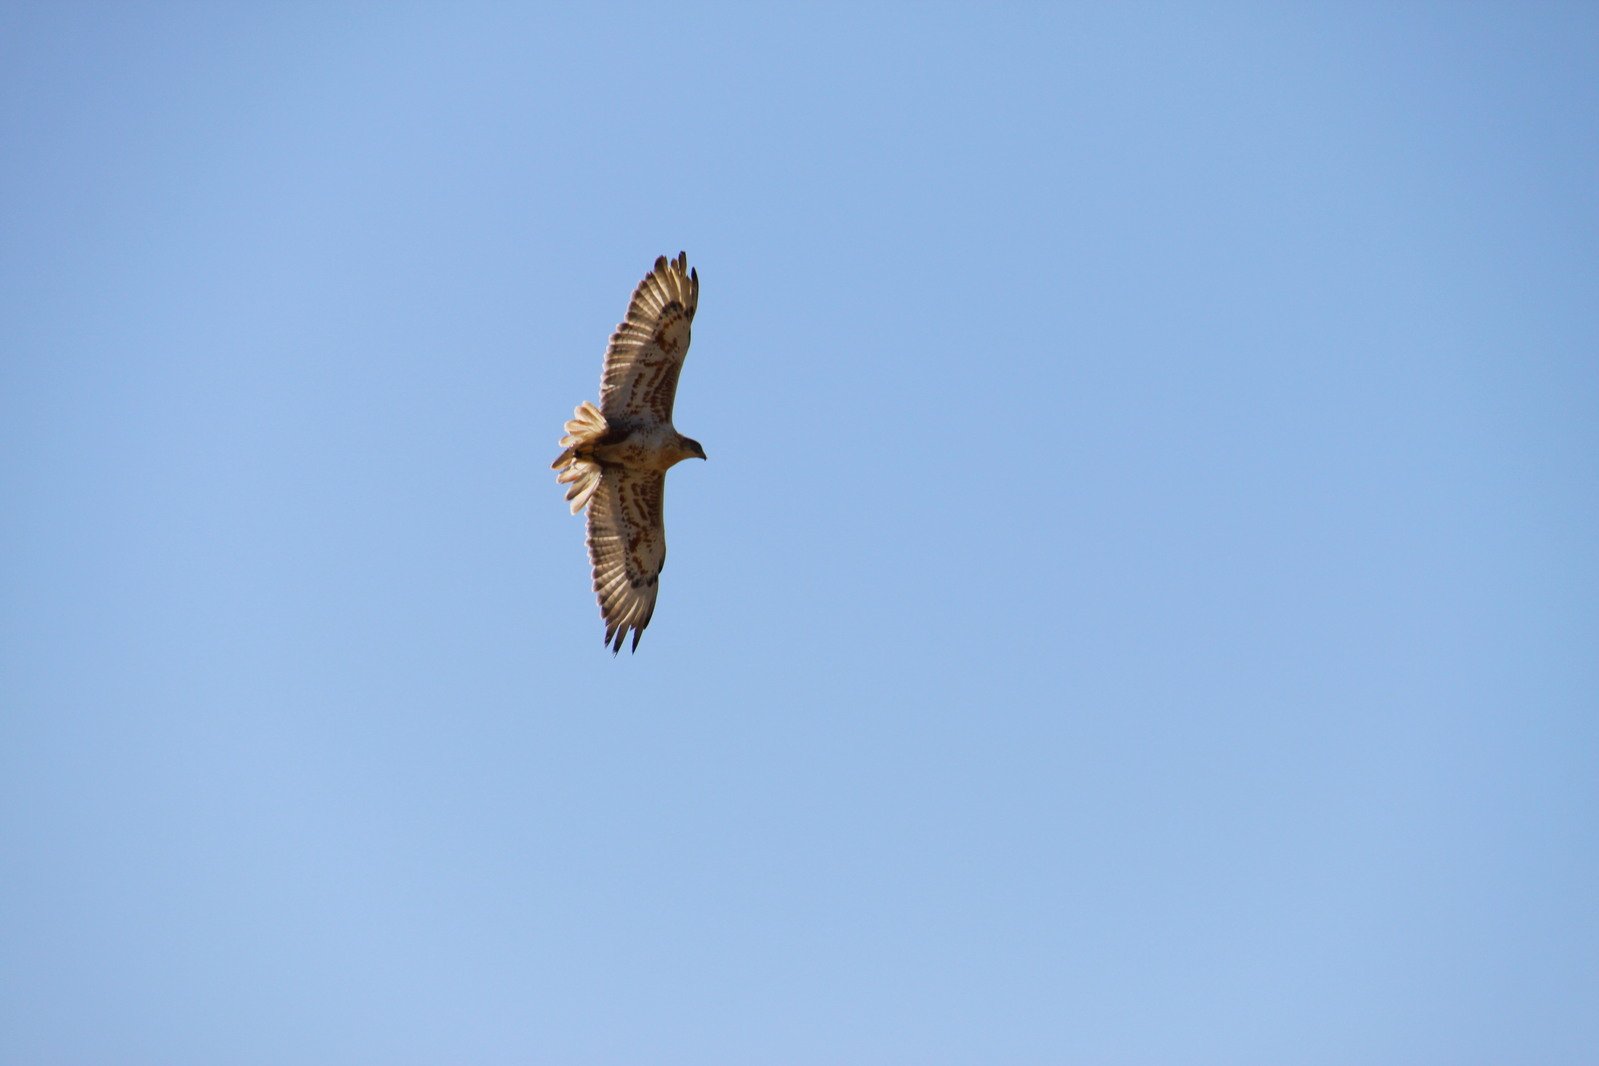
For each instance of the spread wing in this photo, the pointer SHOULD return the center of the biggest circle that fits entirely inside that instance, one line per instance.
(627, 546)
(646, 352)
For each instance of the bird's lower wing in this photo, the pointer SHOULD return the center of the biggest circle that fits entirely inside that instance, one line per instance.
(627, 547)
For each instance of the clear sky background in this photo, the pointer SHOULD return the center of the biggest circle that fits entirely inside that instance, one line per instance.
(1142, 604)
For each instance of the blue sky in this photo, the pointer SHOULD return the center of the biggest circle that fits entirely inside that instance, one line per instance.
(1141, 605)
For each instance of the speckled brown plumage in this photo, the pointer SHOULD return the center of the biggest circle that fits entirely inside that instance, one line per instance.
(616, 455)
(646, 352)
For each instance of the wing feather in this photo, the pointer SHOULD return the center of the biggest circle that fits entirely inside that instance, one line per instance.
(627, 548)
(645, 355)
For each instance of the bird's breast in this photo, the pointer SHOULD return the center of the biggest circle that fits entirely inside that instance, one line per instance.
(645, 448)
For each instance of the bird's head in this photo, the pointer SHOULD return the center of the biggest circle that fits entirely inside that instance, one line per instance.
(691, 447)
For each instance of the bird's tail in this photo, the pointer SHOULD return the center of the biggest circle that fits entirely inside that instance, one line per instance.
(580, 471)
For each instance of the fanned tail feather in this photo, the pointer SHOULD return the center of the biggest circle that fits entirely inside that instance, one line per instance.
(577, 470)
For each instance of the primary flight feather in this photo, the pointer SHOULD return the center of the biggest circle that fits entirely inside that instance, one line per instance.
(617, 454)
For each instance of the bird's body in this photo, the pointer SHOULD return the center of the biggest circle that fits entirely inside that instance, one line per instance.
(617, 454)
(653, 447)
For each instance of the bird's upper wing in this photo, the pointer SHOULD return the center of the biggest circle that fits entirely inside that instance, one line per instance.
(646, 352)
(627, 546)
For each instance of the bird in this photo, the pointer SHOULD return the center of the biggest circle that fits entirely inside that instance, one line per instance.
(615, 456)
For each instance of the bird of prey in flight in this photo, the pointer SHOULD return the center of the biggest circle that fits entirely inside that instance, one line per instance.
(617, 454)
